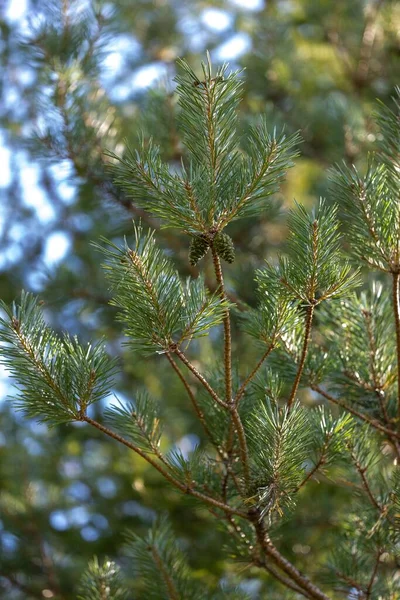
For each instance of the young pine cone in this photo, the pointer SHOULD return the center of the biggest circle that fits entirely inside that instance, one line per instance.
(224, 247)
(198, 248)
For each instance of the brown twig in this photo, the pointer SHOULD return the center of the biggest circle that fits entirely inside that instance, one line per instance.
(350, 581)
(318, 464)
(373, 422)
(257, 561)
(302, 580)
(200, 377)
(182, 487)
(200, 414)
(262, 564)
(283, 563)
(244, 455)
(246, 382)
(227, 328)
(382, 509)
(169, 583)
(197, 409)
(236, 420)
(378, 386)
(374, 573)
(396, 309)
(306, 341)
(362, 470)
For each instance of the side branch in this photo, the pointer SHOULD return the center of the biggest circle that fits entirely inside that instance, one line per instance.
(396, 308)
(246, 382)
(262, 564)
(310, 474)
(200, 377)
(374, 573)
(307, 337)
(170, 585)
(312, 591)
(183, 488)
(244, 454)
(373, 422)
(302, 581)
(197, 409)
(241, 391)
(361, 470)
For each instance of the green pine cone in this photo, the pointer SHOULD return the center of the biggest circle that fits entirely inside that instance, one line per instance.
(198, 248)
(224, 247)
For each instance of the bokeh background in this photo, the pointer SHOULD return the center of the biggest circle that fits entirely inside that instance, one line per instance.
(78, 77)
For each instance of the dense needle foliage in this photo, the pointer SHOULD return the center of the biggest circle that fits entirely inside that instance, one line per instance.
(313, 329)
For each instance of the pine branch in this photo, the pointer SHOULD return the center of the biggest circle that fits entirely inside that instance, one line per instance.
(197, 409)
(253, 373)
(378, 386)
(157, 309)
(58, 377)
(172, 591)
(396, 309)
(283, 563)
(371, 202)
(236, 420)
(102, 582)
(300, 368)
(362, 470)
(288, 583)
(160, 559)
(374, 574)
(330, 439)
(140, 423)
(362, 347)
(208, 123)
(373, 422)
(279, 441)
(201, 310)
(275, 317)
(199, 376)
(148, 182)
(315, 269)
(183, 488)
(269, 156)
(244, 453)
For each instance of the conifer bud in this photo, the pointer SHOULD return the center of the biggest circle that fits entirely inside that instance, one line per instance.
(223, 245)
(198, 248)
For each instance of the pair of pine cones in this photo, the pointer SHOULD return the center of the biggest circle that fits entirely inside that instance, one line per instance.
(200, 244)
